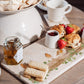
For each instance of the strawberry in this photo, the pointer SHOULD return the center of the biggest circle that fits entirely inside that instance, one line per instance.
(62, 25)
(69, 29)
(61, 43)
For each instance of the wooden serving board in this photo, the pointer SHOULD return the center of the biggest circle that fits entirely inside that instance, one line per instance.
(58, 63)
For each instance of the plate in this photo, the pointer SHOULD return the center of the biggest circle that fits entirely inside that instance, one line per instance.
(51, 23)
(17, 11)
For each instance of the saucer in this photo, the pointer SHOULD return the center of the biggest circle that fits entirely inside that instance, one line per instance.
(51, 23)
(43, 7)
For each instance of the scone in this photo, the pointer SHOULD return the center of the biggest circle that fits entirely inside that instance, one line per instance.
(76, 28)
(60, 29)
(9, 5)
(73, 40)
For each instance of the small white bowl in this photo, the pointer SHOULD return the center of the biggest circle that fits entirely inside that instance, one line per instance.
(51, 41)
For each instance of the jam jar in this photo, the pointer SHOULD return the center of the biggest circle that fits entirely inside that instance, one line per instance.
(13, 50)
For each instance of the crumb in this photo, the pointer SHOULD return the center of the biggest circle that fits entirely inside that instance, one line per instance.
(48, 55)
(24, 65)
(59, 51)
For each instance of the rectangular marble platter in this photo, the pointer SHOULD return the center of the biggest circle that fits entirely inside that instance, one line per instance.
(36, 52)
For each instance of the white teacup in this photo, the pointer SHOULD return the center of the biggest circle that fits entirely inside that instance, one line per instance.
(51, 40)
(57, 10)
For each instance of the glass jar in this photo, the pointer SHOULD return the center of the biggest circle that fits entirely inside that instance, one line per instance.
(13, 50)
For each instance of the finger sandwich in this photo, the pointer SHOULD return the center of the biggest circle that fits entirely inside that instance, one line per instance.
(39, 66)
(37, 70)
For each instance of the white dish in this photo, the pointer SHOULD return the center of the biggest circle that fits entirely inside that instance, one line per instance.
(50, 23)
(13, 12)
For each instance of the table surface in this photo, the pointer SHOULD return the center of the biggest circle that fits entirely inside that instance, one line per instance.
(75, 75)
